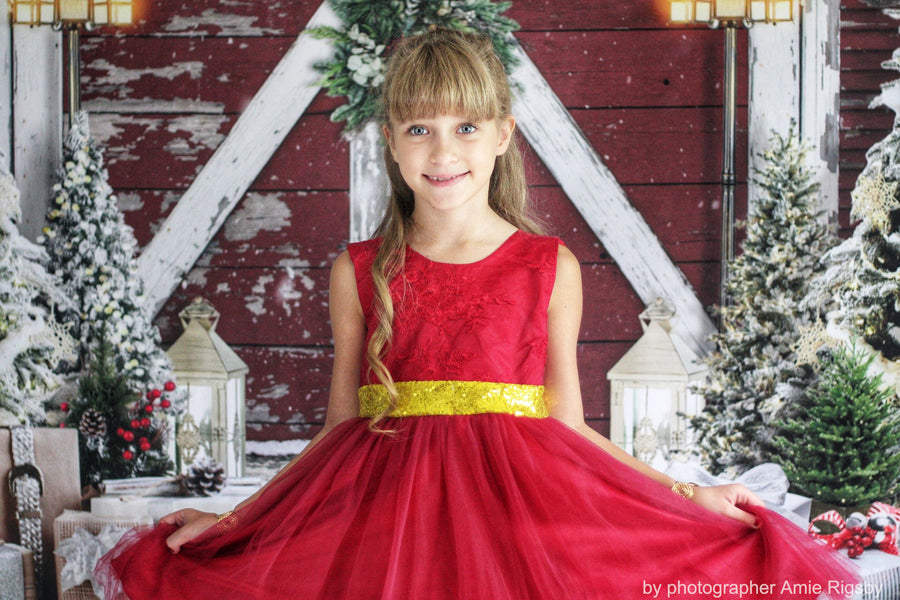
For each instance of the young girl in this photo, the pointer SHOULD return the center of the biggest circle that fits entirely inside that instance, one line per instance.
(455, 462)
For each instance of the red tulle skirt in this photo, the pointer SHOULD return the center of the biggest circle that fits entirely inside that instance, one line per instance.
(487, 506)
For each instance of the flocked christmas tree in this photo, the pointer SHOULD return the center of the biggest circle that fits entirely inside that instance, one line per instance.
(92, 251)
(32, 342)
(859, 294)
(754, 349)
(845, 447)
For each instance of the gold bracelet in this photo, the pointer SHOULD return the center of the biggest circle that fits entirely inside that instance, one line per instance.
(684, 489)
(224, 515)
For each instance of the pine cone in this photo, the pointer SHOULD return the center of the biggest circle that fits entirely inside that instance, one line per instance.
(204, 478)
(92, 424)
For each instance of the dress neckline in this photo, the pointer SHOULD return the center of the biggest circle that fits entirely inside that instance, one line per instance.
(493, 253)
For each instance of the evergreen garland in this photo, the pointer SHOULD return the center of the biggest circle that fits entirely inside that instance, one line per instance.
(371, 26)
(755, 349)
(845, 448)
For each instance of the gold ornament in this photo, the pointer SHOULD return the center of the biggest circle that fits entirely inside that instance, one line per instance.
(811, 339)
(188, 439)
(873, 199)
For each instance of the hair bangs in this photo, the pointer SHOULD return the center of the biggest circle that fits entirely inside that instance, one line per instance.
(437, 81)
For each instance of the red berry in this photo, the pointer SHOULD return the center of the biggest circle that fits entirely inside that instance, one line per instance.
(169, 386)
(145, 446)
(165, 404)
(62, 425)
(128, 455)
(128, 436)
(155, 393)
(150, 395)
(148, 408)
(145, 422)
(120, 432)
(142, 439)
(135, 424)
(64, 407)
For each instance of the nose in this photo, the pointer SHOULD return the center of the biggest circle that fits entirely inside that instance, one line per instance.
(443, 150)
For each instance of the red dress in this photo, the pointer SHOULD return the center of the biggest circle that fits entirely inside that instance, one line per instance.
(478, 494)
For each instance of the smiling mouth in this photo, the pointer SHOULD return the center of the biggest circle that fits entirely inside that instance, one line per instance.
(444, 178)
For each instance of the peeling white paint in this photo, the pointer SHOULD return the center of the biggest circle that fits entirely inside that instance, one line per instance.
(197, 277)
(226, 24)
(279, 390)
(154, 106)
(130, 201)
(256, 303)
(258, 212)
(204, 133)
(116, 76)
(276, 448)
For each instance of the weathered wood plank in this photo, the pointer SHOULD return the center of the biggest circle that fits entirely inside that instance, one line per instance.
(268, 306)
(588, 15)
(203, 18)
(301, 229)
(174, 149)
(634, 68)
(37, 113)
(552, 132)
(685, 218)
(853, 39)
(212, 75)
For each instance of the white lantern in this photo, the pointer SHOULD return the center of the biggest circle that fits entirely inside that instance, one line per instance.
(651, 388)
(213, 377)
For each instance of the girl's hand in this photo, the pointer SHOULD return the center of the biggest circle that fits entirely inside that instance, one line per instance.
(723, 499)
(191, 523)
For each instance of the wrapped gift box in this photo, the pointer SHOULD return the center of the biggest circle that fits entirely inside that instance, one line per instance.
(64, 527)
(880, 574)
(16, 573)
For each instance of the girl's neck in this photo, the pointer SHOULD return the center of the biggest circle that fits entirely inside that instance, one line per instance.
(459, 240)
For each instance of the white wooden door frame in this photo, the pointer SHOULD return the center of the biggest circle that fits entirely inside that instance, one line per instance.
(795, 75)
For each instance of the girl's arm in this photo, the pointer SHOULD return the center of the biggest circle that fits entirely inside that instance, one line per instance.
(349, 332)
(563, 392)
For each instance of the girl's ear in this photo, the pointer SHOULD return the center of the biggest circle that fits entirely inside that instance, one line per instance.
(505, 129)
(389, 140)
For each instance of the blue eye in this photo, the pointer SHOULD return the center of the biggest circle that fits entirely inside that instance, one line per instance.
(417, 130)
(467, 128)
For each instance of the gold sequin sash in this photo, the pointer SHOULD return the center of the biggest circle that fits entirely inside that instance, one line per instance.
(422, 398)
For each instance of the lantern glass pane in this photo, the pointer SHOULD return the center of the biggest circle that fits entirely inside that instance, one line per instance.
(200, 405)
(680, 11)
(120, 12)
(782, 11)
(704, 11)
(758, 10)
(48, 12)
(101, 12)
(32, 12)
(731, 9)
(73, 10)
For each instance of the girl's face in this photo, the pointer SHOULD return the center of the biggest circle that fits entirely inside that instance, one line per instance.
(447, 160)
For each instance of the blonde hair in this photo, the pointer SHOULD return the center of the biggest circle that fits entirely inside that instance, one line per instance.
(438, 72)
